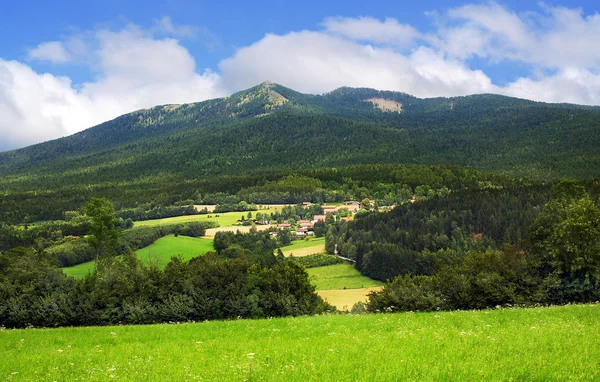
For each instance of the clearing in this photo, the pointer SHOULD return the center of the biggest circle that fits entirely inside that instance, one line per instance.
(339, 276)
(304, 247)
(541, 344)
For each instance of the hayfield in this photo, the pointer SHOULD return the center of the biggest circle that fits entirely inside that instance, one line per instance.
(304, 247)
(344, 299)
(159, 253)
(556, 343)
(340, 276)
(225, 219)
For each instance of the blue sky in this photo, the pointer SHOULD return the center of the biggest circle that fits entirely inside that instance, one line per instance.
(68, 65)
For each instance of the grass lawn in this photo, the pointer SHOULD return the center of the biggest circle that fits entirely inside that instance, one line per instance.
(225, 219)
(556, 343)
(159, 252)
(339, 276)
(304, 247)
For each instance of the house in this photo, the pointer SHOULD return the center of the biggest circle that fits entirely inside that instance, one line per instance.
(301, 231)
(284, 226)
(327, 209)
(345, 219)
(306, 204)
(273, 234)
(319, 218)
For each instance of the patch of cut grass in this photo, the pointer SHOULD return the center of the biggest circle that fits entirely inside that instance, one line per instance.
(339, 276)
(556, 343)
(303, 247)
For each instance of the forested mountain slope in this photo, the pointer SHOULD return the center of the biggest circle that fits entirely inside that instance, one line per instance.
(270, 128)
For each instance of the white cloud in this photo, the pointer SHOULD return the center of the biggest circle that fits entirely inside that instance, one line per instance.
(165, 24)
(53, 51)
(318, 62)
(138, 68)
(373, 30)
(555, 38)
(134, 71)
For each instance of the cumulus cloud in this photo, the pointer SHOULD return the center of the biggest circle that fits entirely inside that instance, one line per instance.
(316, 62)
(133, 69)
(53, 51)
(389, 31)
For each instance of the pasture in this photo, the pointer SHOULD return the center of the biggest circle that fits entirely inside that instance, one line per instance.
(554, 343)
(159, 253)
(339, 276)
(224, 219)
(305, 247)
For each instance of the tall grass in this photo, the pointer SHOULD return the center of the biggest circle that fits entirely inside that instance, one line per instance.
(557, 343)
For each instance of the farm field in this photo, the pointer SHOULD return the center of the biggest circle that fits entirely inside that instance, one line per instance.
(303, 247)
(210, 232)
(344, 299)
(339, 276)
(555, 343)
(160, 252)
(225, 219)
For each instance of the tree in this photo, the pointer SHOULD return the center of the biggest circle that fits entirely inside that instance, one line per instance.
(104, 238)
(567, 232)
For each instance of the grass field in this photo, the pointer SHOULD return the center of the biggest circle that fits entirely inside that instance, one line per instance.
(339, 276)
(225, 219)
(304, 247)
(557, 343)
(160, 252)
(344, 299)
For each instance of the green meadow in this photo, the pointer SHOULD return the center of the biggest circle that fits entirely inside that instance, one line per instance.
(555, 343)
(339, 276)
(225, 219)
(159, 253)
(305, 247)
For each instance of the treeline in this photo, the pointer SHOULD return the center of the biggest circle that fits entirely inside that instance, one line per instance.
(557, 262)
(417, 238)
(148, 211)
(33, 292)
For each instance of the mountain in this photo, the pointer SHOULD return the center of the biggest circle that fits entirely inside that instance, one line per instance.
(271, 128)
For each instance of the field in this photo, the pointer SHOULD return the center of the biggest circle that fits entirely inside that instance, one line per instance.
(340, 276)
(242, 228)
(344, 299)
(160, 252)
(556, 343)
(225, 219)
(303, 247)
(342, 285)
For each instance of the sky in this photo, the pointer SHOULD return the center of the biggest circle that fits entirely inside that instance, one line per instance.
(68, 65)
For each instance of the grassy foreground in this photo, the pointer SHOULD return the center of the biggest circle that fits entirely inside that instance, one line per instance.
(557, 343)
(159, 253)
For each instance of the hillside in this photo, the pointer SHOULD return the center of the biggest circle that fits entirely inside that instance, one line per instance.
(270, 128)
